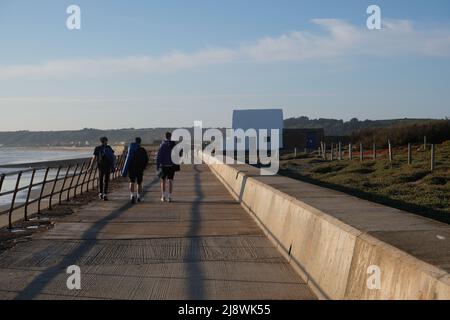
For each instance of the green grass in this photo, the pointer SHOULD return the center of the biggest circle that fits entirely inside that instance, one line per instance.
(409, 187)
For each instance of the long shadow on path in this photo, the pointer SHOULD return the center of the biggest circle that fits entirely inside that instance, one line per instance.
(195, 277)
(42, 280)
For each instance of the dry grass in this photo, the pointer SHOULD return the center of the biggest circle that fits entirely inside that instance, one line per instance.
(410, 187)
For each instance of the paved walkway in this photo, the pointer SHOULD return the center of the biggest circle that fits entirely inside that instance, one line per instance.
(202, 246)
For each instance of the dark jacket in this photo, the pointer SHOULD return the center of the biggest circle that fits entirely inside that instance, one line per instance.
(164, 157)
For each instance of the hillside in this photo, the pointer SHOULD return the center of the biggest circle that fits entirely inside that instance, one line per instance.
(88, 137)
(334, 127)
(85, 137)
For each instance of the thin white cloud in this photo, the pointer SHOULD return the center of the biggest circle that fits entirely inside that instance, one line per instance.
(337, 38)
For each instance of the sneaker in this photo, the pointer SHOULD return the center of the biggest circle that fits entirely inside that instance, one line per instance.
(163, 199)
(139, 199)
(169, 199)
(133, 200)
(105, 198)
(100, 196)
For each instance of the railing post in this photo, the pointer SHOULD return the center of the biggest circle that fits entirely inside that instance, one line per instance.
(2, 178)
(374, 151)
(91, 169)
(42, 189)
(30, 188)
(13, 200)
(64, 183)
(78, 181)
(84, 179)
(94, 180)
(116, 167)
(71, 181)
(53, 188)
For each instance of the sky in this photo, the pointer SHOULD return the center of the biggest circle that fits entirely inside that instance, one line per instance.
(142, 64)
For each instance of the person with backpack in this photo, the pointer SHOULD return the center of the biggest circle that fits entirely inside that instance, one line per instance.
(166, 168)
(137, 164)
(105, 158)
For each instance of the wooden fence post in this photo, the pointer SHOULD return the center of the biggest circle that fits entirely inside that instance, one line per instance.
(374, 151)
(433, 157)
(424, 143)
(409, 154)
(332, 152)
(340, 151)
(391, 157)
(361, 152)
(350, 151)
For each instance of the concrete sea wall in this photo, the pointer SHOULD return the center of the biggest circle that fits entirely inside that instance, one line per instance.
(334, 257)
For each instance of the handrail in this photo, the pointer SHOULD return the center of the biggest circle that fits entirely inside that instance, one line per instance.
(76, 175)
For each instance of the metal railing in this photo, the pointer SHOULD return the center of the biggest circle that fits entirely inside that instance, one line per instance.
(69, 181)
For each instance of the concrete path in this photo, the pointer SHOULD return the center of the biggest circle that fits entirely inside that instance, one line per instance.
(202, 246)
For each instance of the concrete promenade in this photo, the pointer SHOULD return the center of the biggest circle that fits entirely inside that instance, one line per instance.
(202, 246)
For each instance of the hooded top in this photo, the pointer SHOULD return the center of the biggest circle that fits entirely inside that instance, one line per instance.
(164, 157)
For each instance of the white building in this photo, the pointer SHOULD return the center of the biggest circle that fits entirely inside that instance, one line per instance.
(258, 119)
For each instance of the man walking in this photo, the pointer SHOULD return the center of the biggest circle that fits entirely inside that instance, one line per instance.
(104, 155)
(137, 165)
(166, 168)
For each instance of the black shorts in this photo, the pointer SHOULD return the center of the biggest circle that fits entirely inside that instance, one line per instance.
(167, 172)
(136, 176)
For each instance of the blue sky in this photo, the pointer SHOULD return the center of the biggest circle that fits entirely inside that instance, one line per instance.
(168, 63)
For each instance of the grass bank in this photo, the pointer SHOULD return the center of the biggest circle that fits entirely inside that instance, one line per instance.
(411, 187)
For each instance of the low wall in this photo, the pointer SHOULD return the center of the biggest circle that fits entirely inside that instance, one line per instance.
(332, 256)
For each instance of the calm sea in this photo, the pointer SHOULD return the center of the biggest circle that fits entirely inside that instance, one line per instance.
(23, 155)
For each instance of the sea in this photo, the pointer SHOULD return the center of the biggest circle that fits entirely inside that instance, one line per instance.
(28, 155)
(19, 156)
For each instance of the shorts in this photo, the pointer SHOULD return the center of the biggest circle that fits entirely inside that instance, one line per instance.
(167, 172)
(136, 176)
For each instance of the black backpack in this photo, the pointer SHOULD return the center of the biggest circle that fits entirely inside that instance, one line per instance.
(140, 160)
(105, 157)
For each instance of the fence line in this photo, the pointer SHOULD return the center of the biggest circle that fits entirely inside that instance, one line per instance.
(390, 152)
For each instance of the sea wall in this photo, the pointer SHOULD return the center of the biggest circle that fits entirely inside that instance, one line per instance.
(335, 258)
